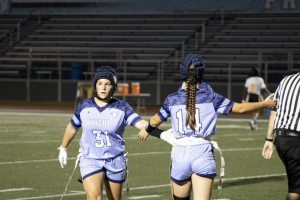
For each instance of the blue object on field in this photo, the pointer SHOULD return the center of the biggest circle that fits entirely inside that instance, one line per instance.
(267, 112)
(76, 71)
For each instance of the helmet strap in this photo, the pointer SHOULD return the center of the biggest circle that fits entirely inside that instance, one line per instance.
(107, 97)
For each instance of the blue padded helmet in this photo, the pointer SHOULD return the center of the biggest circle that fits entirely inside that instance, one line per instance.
(106, 72)
(198, 64)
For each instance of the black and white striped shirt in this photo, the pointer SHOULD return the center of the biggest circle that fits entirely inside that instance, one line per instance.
(288, 104)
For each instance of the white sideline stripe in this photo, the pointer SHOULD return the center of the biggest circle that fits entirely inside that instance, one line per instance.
(132, 154)
(143, 197)
(16, 189)
(153, 186)
(246, 139)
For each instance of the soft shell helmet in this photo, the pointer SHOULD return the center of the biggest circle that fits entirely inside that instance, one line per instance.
(198, 64)
(106, 72)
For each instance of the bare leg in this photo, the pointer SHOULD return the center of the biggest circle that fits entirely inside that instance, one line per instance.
(255, 116)
(93, 186)
(114, 191)
(293, 196)
(202, 187)
(182, 190)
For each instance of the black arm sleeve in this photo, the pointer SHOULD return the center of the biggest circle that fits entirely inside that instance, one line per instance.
(156, 132)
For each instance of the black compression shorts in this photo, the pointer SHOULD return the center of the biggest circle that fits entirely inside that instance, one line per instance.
(253, 98)
(288, 149)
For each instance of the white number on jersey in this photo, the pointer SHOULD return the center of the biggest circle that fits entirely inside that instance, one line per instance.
(99, 139)
(180, 122)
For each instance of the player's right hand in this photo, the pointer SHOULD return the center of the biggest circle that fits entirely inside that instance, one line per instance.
(269, 102)
(143, 134)
(62, 156)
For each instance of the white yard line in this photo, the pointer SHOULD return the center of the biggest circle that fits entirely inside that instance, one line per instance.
(37, 114)
(152, 186)
(246, 139)
(252, 177)
(130, 154)
(16, 189)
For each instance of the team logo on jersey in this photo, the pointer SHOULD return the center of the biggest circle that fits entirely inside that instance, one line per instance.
(114, 114)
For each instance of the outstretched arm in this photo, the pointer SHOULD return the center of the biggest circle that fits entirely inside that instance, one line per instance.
(153, 123)
(250, 107)
(268, 147)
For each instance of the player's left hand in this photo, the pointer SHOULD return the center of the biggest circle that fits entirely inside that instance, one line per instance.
(143, 134)
(267, 150)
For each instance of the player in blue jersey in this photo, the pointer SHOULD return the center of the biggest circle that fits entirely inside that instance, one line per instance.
(194, 110)
(103, 119)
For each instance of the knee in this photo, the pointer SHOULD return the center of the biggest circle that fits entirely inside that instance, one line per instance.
(94, 196)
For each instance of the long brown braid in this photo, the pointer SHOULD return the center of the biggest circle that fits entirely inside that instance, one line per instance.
(190, 100)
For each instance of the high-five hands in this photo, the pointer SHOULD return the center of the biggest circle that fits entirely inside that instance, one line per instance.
(143, 134)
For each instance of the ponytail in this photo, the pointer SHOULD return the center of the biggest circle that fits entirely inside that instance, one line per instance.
(190, 100)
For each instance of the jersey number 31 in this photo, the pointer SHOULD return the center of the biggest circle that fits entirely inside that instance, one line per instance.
(100, 140)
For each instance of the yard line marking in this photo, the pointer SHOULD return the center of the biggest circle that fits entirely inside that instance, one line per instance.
(143, 197)
(132, 154)
(37, 114)
(16, 189)
(246, 139)
(243, 149)
(50, 196)
(153, 186)
(251, 177)
(38, 131)
(239, 120)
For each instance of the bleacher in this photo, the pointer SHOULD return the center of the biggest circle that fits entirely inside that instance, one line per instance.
(140, 42)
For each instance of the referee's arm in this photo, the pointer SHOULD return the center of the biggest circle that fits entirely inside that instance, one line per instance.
(268, 147)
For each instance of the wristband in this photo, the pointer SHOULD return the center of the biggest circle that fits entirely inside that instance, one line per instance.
(156, 132)
(270, 140)
(149, 128)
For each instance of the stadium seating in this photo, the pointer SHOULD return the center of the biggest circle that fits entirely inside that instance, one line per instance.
(143, 41)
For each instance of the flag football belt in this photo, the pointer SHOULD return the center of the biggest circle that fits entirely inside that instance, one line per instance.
(192, 141)
(287, 132)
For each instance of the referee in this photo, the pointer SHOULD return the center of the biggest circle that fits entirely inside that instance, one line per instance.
(284, 120)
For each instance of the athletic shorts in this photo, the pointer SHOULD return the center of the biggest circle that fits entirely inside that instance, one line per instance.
(198, 159)
(288, 149)
(114, 168)
(253, 98)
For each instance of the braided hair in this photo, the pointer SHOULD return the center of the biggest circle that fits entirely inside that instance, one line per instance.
(190, 101)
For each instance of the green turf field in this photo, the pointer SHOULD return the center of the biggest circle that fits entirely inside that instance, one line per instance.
(29, 168)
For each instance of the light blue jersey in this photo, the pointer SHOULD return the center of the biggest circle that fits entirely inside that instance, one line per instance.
(103, 127)
(208, 106)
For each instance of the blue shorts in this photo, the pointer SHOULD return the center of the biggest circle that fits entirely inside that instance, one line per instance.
(114, 168)
(198, 159)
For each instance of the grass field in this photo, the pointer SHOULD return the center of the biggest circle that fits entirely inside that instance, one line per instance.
(29, 168)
